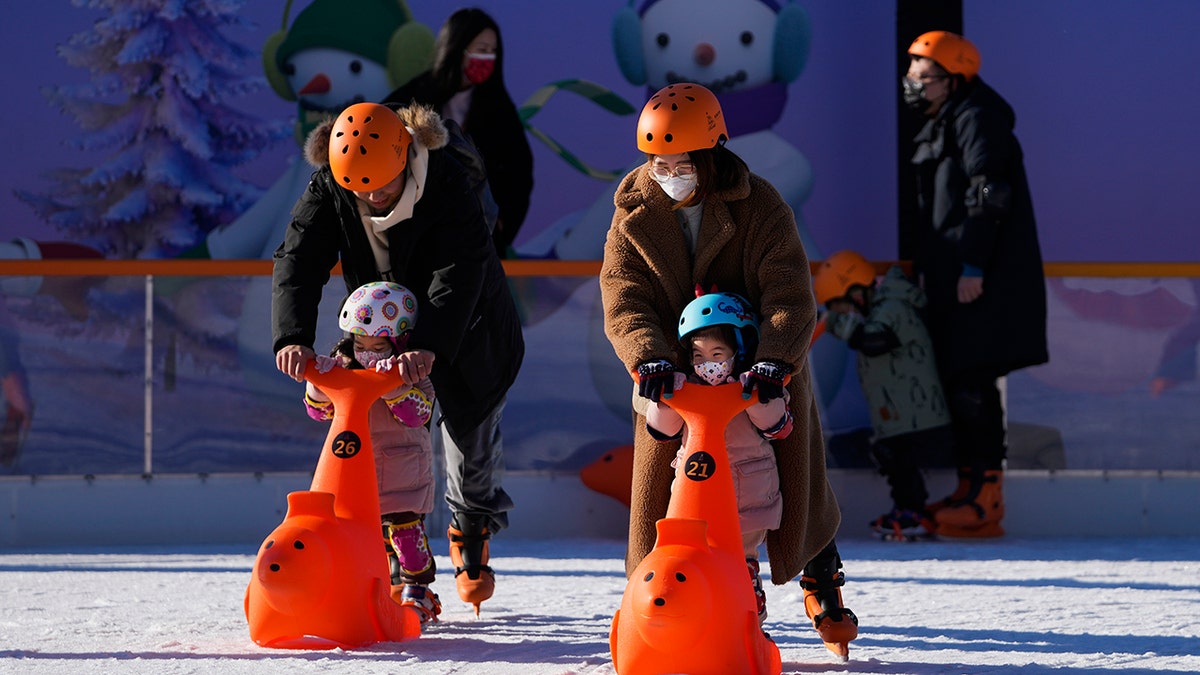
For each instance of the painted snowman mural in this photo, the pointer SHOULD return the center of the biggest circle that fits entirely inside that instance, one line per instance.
(333, 55)
(746, 52)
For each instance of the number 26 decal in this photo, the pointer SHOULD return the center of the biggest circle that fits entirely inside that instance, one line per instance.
(346, 445)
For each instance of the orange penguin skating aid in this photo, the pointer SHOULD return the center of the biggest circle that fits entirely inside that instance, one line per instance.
(611, 474)
(321, 580)
(687, 607)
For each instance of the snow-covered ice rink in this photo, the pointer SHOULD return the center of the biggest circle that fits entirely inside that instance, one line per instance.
(1003, 606)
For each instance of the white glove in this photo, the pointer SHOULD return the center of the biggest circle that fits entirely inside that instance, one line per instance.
(325, 363)
(385, 365)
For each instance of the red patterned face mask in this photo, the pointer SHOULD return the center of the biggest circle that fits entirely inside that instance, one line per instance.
(479, 67)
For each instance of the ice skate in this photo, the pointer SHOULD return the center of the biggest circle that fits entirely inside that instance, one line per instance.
(979, 513)
(469, 553)
(836, 624)
(984, 531)
(904, 525)
(760, 596)
(959, 493)
(420, 598)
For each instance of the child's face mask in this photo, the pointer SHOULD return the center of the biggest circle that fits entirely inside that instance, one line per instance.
(369, 359)
(369, 351)
(715, 372)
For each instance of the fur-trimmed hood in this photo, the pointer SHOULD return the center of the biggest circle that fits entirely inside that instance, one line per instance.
(423, 123)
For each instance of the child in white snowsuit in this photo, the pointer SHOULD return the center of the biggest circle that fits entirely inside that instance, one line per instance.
(722, 332)
(899, 378)
(378, 318)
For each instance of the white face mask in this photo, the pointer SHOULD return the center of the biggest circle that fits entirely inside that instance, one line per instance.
(369, 359)
(678, 188)
(715, 372)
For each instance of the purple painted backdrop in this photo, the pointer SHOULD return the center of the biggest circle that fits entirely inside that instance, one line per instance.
(1098, 85)
(1105, 115)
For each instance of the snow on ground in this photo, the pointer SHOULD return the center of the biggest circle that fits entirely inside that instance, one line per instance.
(1005, 606)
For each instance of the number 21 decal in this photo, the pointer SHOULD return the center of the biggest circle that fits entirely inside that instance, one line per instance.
(699, 466)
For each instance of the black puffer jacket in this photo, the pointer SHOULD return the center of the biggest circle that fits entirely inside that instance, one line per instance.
(968, 146)
(443, 254)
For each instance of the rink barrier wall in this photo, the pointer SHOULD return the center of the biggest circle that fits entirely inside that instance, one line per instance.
(241, 509)
(151, 269)
(175, 509)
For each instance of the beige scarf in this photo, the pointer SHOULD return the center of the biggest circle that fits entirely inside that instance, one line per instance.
(416, 171)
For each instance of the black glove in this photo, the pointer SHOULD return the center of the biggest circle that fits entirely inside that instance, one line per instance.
(656, 380)
(767, 377)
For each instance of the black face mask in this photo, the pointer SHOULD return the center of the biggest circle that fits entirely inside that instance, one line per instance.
(914, 95)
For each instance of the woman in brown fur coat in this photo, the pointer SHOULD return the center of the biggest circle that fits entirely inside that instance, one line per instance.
(694, 214)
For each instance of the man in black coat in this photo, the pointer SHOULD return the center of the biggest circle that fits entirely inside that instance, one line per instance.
(391, 202)
(978, 255)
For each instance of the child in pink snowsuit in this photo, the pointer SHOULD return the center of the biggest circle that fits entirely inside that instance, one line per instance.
(378, 318)
(721, 330)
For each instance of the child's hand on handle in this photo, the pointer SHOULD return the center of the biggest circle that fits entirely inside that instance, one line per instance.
(656, 380)
(293, 359)
(768, 378)
(325, 363)
(386, 365)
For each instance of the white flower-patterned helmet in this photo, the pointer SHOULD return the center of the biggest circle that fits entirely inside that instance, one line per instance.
(379, 309)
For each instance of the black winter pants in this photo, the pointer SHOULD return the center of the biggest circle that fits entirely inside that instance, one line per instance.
(977, 417)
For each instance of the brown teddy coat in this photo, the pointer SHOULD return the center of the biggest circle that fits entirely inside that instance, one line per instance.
(748, 244)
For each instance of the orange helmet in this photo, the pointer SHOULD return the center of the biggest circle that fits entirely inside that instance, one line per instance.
(952, 51)
(368, 147)
(680, 118)
(839, 272)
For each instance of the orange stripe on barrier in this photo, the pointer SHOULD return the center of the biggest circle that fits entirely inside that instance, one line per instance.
(233, 268)
(552, 268)
(118, 268)
(514, 268)
(1123, 269)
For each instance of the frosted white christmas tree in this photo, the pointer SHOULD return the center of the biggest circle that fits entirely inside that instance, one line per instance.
(154, 112)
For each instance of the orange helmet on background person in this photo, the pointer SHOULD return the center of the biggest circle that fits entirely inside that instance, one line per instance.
(368, 147)
(953, 52)
(681, 118)
(840, 271)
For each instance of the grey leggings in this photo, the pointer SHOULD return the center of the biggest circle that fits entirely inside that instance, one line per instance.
(475, 468)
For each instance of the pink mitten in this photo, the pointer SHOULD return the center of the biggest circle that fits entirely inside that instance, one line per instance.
(411, 408)
(325, 363)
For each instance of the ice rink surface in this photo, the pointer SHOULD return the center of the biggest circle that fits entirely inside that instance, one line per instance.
(1003, 606)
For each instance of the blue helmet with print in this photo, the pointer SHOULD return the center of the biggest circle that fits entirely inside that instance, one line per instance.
(721, 309)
